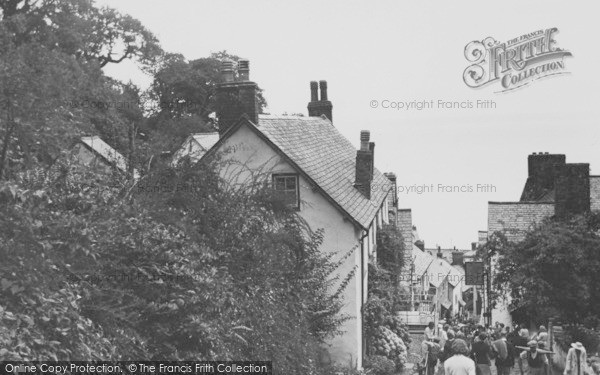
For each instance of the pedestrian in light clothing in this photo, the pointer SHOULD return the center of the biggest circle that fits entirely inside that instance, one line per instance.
(459, 363)
(576, 363)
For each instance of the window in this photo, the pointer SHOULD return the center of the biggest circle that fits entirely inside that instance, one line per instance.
(287, 185)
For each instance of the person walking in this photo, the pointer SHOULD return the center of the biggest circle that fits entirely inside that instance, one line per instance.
(523, 338)
(536, 361)
(481, 353)
(504, 354)
(433, 355)
(576, 363)
(459, 363)
(542, 336)
(430, 331)
(446, 351)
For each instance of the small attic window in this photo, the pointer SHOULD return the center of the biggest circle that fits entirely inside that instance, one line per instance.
(287, 185)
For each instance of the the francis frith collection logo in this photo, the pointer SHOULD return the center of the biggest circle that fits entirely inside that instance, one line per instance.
(514, 63)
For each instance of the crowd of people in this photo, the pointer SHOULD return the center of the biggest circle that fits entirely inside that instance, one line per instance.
(469, 349)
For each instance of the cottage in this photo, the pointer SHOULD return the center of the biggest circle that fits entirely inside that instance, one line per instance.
(94, 152)
(334, 186)
(195, 146)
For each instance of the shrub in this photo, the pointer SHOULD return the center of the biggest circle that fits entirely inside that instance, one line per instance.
(390, 250)
(188, 271)
(590, 338)
(380, 365)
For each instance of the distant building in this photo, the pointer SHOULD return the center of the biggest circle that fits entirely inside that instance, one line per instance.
(447, 254)
(195, 146)
(94, 152)
(553, 188)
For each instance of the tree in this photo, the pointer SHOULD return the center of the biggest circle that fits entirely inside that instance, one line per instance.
(79, 29)
(554, 270)
(53, 88)
(184, 87)
(177, 267)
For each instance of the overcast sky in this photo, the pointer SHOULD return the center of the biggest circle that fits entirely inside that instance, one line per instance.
(406, 51)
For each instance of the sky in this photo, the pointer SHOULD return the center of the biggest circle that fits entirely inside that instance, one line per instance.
(373, 54)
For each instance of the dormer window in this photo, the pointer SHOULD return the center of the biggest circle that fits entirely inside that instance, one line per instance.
(287, 185)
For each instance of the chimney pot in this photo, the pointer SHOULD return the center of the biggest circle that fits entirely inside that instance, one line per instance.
(227, 70)
(323, 85)
(364, 165)
(316, 107)
(365, 135)
(235, 98)
(314, 88)
(244, 70)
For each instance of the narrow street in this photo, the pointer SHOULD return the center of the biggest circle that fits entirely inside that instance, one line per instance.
(414, 355)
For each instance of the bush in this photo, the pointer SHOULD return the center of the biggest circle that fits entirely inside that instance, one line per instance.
(198, 272)
(386, 334)
(380, 365)
(390, 250)
(590, 338)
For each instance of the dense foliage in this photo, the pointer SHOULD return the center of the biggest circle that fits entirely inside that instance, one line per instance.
(553, 272)
(387, 335)
(390, 250)
(590, 338)
(380, 365)
(176, 267)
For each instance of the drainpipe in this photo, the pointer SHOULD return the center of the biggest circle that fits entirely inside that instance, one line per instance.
(362, 289)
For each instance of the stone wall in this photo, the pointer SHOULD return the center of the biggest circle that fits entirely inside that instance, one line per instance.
(516, 218)
(595, 193)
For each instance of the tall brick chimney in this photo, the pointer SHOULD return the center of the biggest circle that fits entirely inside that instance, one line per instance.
(572, 189)
(458, 258)
(318, 107)
(364, 164)
(540, 174)
(236, 97)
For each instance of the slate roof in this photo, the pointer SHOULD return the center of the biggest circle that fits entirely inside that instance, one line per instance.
(326, 157)
(456, 275)
(106, 152)
(206, 140)
(422, 260)
(438, 270)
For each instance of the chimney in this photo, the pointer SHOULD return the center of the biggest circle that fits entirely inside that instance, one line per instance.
(571, 189)
(458, 258)
(227, 71)
(318, 107)
(236, 98)
(364, 165)
(420, 244)
(473, 245)
(314, 92)
(540, 179)
(393, 197)
(244, 70)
